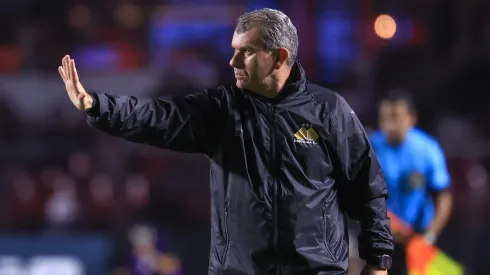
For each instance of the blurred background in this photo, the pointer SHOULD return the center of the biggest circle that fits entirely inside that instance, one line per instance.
(75, 201)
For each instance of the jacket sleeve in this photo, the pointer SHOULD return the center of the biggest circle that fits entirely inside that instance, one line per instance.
(361, 186)
(180, 123)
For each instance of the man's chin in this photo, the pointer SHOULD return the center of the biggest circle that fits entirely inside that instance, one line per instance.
(395, 140)
(241, 84)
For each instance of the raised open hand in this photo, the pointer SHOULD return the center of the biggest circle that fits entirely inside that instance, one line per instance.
(78, 96)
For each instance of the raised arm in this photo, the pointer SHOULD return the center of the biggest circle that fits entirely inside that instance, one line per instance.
(361, 185)
(181, 123)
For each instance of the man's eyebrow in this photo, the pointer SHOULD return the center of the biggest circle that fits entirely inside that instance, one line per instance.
(244, 47)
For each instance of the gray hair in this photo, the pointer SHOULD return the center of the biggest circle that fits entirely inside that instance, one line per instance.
(276, 28)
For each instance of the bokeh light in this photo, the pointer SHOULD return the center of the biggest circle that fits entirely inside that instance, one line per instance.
(385, 26)
(128, 16)
(79, 16)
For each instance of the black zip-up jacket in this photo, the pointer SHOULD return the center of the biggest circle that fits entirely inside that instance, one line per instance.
(283, 172)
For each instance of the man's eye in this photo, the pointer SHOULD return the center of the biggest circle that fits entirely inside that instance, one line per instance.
(248, 51)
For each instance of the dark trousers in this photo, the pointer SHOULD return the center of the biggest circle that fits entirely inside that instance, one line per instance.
(399, 265)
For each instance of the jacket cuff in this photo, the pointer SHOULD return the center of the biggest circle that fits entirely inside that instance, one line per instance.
(371, 254)
(95, 109)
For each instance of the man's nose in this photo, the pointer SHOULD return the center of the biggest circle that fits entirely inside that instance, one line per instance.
(235, 61)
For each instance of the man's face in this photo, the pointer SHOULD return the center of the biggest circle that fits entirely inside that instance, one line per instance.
(252, 64)
(395, 120)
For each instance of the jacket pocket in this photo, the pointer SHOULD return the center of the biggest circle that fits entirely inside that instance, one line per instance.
(326, 234)
(220, 240)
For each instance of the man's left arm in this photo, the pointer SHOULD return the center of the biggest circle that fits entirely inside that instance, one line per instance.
(439, 183)
(361, 186)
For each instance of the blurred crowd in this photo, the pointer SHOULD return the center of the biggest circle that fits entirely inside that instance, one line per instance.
(69, 179)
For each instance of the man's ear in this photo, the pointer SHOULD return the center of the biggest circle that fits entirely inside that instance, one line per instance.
(281, 56)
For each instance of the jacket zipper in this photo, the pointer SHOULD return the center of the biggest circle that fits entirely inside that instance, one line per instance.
(227, 237)
(324, 229)
(274, 188)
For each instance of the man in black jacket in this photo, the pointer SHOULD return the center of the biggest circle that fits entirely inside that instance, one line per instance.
(288, 158)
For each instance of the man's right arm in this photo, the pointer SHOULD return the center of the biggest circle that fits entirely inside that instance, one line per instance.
(181, 123)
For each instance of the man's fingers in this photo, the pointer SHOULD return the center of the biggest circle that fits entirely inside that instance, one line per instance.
(62, 73)
(67, 66)
(74, 71)
(63, 65)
